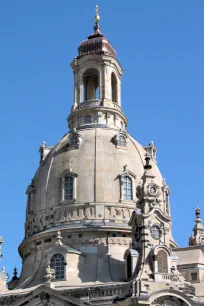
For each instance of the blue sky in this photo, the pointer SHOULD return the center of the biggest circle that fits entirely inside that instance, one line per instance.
(160, 46)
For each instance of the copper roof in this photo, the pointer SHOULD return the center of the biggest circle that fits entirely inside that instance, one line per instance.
(96, 44)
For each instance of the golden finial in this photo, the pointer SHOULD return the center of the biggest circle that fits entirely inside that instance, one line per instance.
(97, 17)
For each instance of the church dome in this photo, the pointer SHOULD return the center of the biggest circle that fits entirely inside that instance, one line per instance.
(96, 163)
(84, 192)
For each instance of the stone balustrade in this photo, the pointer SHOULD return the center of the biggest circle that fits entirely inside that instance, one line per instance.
(78, 215)
(89, 103)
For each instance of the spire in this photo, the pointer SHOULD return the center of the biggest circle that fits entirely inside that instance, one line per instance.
(15, 274)
(97, 30)
(197, 237)
(197, 213)
(96, 42)
(97, 17)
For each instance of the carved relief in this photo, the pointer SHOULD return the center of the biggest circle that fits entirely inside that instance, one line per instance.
(118, 213)
(119, 240)
(59, 215)
(65, 214)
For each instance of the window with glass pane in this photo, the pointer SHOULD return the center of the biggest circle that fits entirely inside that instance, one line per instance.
(156, 232)
(87, 119)
(29, 201)
(68, 187)
(57, 263)
(121, 141)
(127, 188)
(74, 140)
(167, 203)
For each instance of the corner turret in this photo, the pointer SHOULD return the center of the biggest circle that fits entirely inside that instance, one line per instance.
(197, 236)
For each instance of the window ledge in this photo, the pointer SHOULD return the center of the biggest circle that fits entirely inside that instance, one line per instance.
(121, 147)
(73, 147)
(127, 201)
(67, 202)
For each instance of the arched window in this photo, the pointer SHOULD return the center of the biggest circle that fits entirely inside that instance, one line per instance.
(91, 84)
(74, 140)
(68, 187)
(87, 119)
(29, 201)
(162, 261)
(57, 263)
(30, 193)
(129, 266)
(121, 141)
(127, 188)
(167, 203)
(114, 88)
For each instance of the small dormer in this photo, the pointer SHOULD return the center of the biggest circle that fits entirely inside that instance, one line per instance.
(151, 150)
(44, 151)
(74, 140)
(30, 193)
(120, 140)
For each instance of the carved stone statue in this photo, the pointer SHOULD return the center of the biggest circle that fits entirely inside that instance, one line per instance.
(49, 274)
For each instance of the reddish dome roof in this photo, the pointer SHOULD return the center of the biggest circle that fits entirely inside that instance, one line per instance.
(96, 44)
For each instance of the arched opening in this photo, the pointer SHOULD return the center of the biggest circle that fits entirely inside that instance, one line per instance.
(121, 141)
(74, 141)
(87, 119)
(162, 261)
(129, 266)
(57, 263)
(167, 203)
(29, 201)
(91, 85)
(114, 88)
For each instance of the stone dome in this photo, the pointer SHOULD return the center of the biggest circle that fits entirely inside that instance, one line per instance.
(82, 196)
(97, 164)
(94, 225)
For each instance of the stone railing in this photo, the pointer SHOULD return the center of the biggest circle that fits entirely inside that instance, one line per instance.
(166, 277)
(120, 291)
(80, 215)
(89, 103)
(117, 106)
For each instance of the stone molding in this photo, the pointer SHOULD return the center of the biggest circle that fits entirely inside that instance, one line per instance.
(75, 214)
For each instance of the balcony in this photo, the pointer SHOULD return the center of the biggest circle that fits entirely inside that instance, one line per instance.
(89, 104)
(166, 277)
(117, 106)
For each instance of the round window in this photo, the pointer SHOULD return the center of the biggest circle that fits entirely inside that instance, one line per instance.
(153, 189)
(156, 232)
